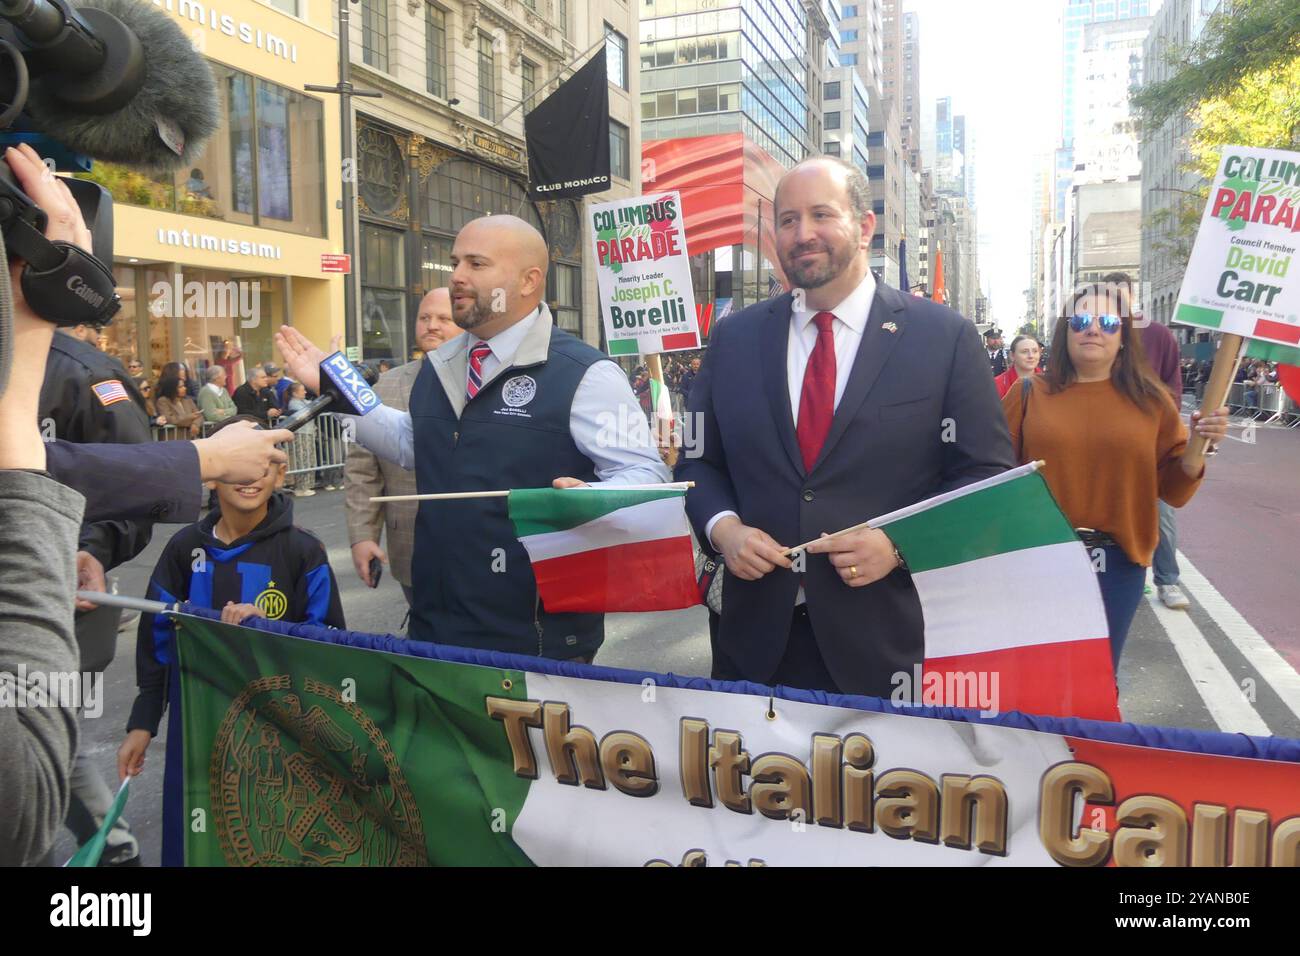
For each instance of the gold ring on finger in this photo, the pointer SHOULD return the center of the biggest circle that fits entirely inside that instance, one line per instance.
(853, 571)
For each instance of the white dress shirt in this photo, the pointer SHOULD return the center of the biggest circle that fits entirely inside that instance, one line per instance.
(850, 322)
(605, 421)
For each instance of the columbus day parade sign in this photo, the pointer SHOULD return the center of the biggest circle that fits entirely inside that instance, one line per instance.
(646, 297)
(1242, 277)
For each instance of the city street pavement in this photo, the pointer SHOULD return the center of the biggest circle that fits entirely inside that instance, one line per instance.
(1228, 664)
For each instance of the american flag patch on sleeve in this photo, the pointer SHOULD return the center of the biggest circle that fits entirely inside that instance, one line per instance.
(110, 392)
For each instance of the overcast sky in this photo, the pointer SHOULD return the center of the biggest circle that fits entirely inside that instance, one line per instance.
(999, 60)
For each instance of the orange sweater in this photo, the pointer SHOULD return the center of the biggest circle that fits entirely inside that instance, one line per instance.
(1107, 461)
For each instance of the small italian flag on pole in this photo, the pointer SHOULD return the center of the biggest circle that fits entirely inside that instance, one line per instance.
(1008, 589)
(608, 548)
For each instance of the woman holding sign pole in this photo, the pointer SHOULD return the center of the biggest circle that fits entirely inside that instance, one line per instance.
(1113, 442)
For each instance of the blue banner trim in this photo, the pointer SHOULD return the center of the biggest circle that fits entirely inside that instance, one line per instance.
(1211, 742)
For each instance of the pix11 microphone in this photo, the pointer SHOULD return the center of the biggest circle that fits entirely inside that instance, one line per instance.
(342, 390)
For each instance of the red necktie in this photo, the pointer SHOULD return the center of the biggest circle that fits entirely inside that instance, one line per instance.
(817, 399)
(476, 356)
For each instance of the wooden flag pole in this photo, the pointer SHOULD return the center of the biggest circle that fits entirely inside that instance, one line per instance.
(1229, 356)
(456, 495)
(663, 430)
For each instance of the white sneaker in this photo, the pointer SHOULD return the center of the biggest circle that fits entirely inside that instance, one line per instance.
(330, 488)
(1173, 597)
(304, 493)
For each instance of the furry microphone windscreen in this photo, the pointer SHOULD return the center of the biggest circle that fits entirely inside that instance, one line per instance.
(178, 91)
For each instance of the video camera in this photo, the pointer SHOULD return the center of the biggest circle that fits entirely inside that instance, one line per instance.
(115, 80)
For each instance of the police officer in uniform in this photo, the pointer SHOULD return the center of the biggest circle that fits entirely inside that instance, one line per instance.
(88, 396)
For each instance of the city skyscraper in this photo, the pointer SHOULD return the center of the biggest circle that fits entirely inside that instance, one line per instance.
(1076, 16)
(735, 66)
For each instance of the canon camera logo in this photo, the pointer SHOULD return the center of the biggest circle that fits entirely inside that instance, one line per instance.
(77, 286)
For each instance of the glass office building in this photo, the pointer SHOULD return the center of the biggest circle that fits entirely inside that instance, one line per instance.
(1078, 14)
(719, 66)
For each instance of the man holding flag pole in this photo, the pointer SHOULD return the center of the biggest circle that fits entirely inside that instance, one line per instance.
(516, 403)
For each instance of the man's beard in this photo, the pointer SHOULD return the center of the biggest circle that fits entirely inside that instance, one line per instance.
(474, 316)
(809, 275)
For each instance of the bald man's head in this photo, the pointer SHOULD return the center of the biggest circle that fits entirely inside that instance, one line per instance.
(499, 273)
(433, 322)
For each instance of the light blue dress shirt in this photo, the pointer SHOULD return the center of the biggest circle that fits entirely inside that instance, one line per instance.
(606, 420)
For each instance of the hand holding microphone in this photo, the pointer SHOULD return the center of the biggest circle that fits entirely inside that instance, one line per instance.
(333, 378)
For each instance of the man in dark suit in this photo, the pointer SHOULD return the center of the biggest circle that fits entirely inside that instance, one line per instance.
(818, 410)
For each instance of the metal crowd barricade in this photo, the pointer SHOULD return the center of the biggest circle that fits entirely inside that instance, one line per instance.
(321, 449)
(1271, 405)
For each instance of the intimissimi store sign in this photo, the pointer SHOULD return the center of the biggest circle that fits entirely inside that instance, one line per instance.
(210, 16)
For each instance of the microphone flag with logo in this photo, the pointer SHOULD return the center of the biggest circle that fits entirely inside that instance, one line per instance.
(568, 136)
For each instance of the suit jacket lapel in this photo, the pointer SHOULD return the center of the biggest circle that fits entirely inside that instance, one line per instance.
(773, 345)
(873, 351)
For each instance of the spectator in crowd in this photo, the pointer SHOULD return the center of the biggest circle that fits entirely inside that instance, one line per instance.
(1256, 379)
(278, 382)
(214, 400)
(366, 476)
(251, 536)
(1113, 441)
(1203, 377)
(150, 404)
(256, 398)
(1026, 352)
(135, 369)
(688, 379)
(179, 410)
(384, 366)
(303, 460)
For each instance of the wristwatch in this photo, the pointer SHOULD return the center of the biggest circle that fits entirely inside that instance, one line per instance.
(899, 558)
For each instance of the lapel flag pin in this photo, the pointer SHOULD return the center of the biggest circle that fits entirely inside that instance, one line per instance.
(890, 327)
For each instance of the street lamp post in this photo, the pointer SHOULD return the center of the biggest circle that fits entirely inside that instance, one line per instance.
(345, 91)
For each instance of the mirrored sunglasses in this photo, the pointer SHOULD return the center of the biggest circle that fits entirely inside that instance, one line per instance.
(1082, 321)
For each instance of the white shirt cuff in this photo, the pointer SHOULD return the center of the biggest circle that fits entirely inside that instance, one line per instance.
(708, 528)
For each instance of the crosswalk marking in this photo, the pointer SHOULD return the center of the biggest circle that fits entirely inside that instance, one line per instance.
(1271, 665)
(1219, 691)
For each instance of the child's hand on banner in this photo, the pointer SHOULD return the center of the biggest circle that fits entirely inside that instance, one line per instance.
(234, 613)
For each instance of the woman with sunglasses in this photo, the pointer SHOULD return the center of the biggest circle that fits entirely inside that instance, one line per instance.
(1025, 354)
(1113, 442)
(150, 406)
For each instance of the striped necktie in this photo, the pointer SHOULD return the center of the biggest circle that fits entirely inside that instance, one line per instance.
(476, 356)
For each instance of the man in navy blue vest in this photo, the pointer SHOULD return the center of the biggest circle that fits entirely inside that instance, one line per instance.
(514, 403)
(819, 410)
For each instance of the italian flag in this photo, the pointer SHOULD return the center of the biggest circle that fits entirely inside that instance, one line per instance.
(1007, 588)
(608, 548)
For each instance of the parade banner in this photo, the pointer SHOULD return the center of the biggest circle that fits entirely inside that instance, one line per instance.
(646, 297)
(1242, 277)
(306, 746)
